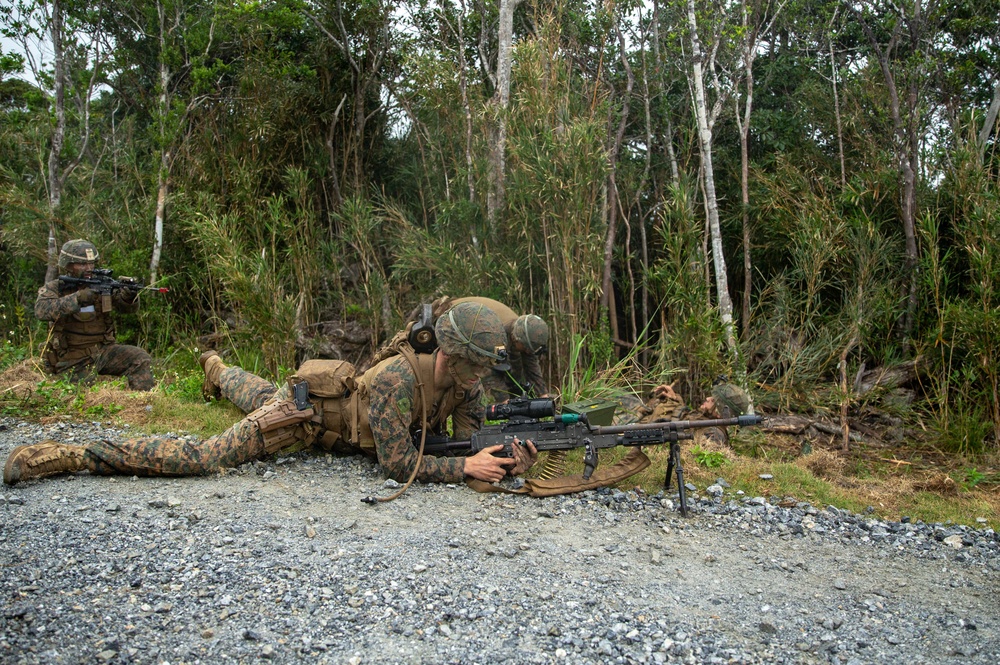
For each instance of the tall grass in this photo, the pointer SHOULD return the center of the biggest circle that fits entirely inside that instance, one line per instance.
(962, 341)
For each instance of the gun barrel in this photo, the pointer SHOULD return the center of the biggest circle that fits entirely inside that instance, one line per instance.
(741, 421)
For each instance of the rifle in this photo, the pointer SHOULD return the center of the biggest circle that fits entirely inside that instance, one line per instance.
(103, 283)
(523, 419)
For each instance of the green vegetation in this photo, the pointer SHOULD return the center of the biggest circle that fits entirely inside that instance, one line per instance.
(710, 459)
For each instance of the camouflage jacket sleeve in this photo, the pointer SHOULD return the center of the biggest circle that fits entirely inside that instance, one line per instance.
(390, 412)
(50, 306)
(533, 374)
(468, 416)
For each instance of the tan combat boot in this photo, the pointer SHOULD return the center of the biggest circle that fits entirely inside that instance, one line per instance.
(212, 365)
(42, 459)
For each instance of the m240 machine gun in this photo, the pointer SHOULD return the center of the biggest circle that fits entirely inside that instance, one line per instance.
(537, 421)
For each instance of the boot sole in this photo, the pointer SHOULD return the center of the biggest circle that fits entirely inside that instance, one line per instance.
(11, 470)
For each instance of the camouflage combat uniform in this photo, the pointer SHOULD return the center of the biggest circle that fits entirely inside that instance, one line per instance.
(82, 339)
(376, 413)
(525, 368)
(390, 418)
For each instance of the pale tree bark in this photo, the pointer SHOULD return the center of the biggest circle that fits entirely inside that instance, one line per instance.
(463, 81)
(52, 16)
(496, 197)
(168, 34)
(163, 173)
(647, 167)
(989, 122)
(725, 302)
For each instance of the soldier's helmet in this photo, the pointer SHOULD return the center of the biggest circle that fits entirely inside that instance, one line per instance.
(77, 251)
(473, 332)
(730, 400)
(531, 332)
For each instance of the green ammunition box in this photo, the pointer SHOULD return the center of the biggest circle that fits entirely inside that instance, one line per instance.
(598, 411)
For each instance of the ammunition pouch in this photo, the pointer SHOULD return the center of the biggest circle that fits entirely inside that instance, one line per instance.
(326, 378)
(282, 424)
(333, 382)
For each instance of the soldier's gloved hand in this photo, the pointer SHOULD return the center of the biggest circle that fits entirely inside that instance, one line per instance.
(525, 455)
(86, 296)
(130, 292)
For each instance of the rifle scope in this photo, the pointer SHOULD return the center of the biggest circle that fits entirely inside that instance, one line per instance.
(522, 408)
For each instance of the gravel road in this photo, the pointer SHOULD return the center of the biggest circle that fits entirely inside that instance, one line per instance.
(281, 562)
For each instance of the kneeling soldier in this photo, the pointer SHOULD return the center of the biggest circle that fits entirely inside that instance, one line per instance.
(82, 333)
(376, 413)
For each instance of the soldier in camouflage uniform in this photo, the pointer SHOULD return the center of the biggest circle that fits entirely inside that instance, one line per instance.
(725, 401)
(376, 413)
(81, 340)
(527, 337)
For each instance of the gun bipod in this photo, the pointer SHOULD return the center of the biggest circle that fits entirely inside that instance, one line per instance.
(674, 463)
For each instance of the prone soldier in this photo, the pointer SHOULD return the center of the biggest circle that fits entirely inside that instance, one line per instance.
(375, 413)
(81, 340)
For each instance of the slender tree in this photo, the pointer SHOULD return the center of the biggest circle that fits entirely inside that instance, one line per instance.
(500, 104)
(702, 116)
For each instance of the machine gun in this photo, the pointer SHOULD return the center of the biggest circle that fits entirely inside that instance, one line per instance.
(103, 283)
(522, 419)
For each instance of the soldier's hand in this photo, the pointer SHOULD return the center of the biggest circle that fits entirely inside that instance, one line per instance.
(525, 455)
(130, 292)
(484, 466)
(86, 296)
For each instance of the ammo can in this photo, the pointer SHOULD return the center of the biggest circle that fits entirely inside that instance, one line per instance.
(598, 411)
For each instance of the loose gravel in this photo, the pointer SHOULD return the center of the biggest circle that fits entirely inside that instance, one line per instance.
(281, 562)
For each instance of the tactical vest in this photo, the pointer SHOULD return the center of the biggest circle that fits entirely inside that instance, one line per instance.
(338, 416)
(80, 336)
(443, 402)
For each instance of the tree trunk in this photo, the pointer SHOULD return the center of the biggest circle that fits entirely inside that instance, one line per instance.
(58, 135)
(607, 295)
(163, 174)
(836, 105)
(907, 140)
(501, 99)
(162, 191)
(668, 142)
(725, 303)
(467, 109)
(989, 121)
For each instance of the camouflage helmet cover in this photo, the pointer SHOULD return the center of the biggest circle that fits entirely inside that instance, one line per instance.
(531, 332)
(730, 400)
(77, 251)
(473, 332)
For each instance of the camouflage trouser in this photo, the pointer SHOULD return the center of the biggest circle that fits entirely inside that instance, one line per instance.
(247, 391)
(116, 360)
(166, 456)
